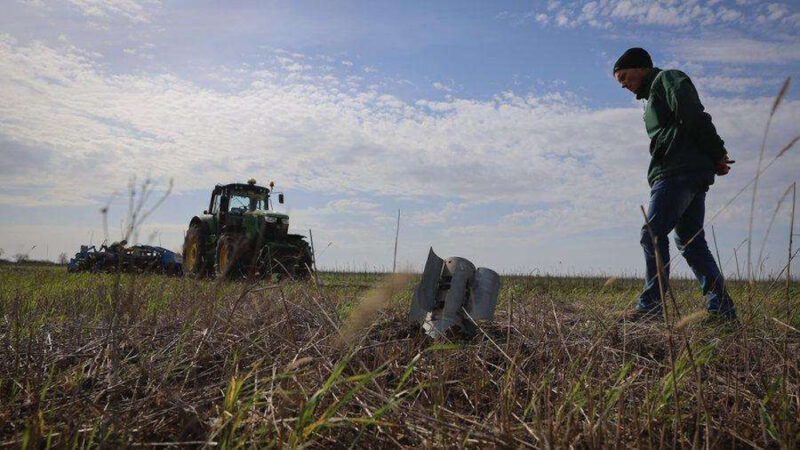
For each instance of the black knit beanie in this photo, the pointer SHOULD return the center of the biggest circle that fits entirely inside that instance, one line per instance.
(633, 58)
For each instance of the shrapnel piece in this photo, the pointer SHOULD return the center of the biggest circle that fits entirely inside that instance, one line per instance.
(485, 290)
(424, 298)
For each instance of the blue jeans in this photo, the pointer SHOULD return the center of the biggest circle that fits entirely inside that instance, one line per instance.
(678, 203)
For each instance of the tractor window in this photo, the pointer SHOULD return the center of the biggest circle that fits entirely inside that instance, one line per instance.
(215, 204)
(242, 202)
(257, 203)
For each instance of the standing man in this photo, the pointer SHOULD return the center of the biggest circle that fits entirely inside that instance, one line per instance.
(686, 152)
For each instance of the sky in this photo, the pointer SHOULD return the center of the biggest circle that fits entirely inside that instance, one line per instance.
(495, 128)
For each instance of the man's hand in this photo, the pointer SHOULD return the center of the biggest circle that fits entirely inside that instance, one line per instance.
(723, 165)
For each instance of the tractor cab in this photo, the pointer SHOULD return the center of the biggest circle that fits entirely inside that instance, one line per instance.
(238, 198)
(244, 207)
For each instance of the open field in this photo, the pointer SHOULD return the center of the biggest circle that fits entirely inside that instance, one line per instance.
(95, 359)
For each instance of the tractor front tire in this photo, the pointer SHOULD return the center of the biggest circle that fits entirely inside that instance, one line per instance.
(194, 252)
(230, 249)
(305, 267)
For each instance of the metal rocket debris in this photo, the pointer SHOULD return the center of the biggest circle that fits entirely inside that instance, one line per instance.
(452, 295)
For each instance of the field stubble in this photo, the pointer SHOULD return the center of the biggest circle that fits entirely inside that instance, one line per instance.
(151, 360)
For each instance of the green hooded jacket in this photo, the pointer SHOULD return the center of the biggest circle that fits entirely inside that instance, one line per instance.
(682, 137)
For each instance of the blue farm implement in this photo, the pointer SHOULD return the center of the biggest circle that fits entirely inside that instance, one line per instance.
(117, 257)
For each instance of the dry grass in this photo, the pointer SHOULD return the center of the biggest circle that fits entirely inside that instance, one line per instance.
(149, 360)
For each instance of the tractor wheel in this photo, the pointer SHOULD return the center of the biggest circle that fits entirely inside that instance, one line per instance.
(306, 265)
(230, 249)
(303, 262)
(194, 252)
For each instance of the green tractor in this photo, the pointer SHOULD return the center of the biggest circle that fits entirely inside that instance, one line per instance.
(240, 235)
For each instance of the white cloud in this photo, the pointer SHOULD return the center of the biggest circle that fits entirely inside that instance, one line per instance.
(442, 87)
(562, 20)
(351, 205)
(793, 19)
(776, 11)
(718, 83)
(674, 14)
(133, 10)
(739, 50)
(439, 215)
(297, 67)
(365, 141)
(728, 15)
(660, 15)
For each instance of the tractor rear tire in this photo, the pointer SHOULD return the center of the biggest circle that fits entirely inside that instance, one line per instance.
(194, 252)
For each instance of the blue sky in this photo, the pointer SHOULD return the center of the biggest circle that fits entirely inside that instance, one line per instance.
(494, 126)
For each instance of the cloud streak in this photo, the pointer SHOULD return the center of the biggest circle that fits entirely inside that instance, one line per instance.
(739, 50)
(616, 14)
(132, 10)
